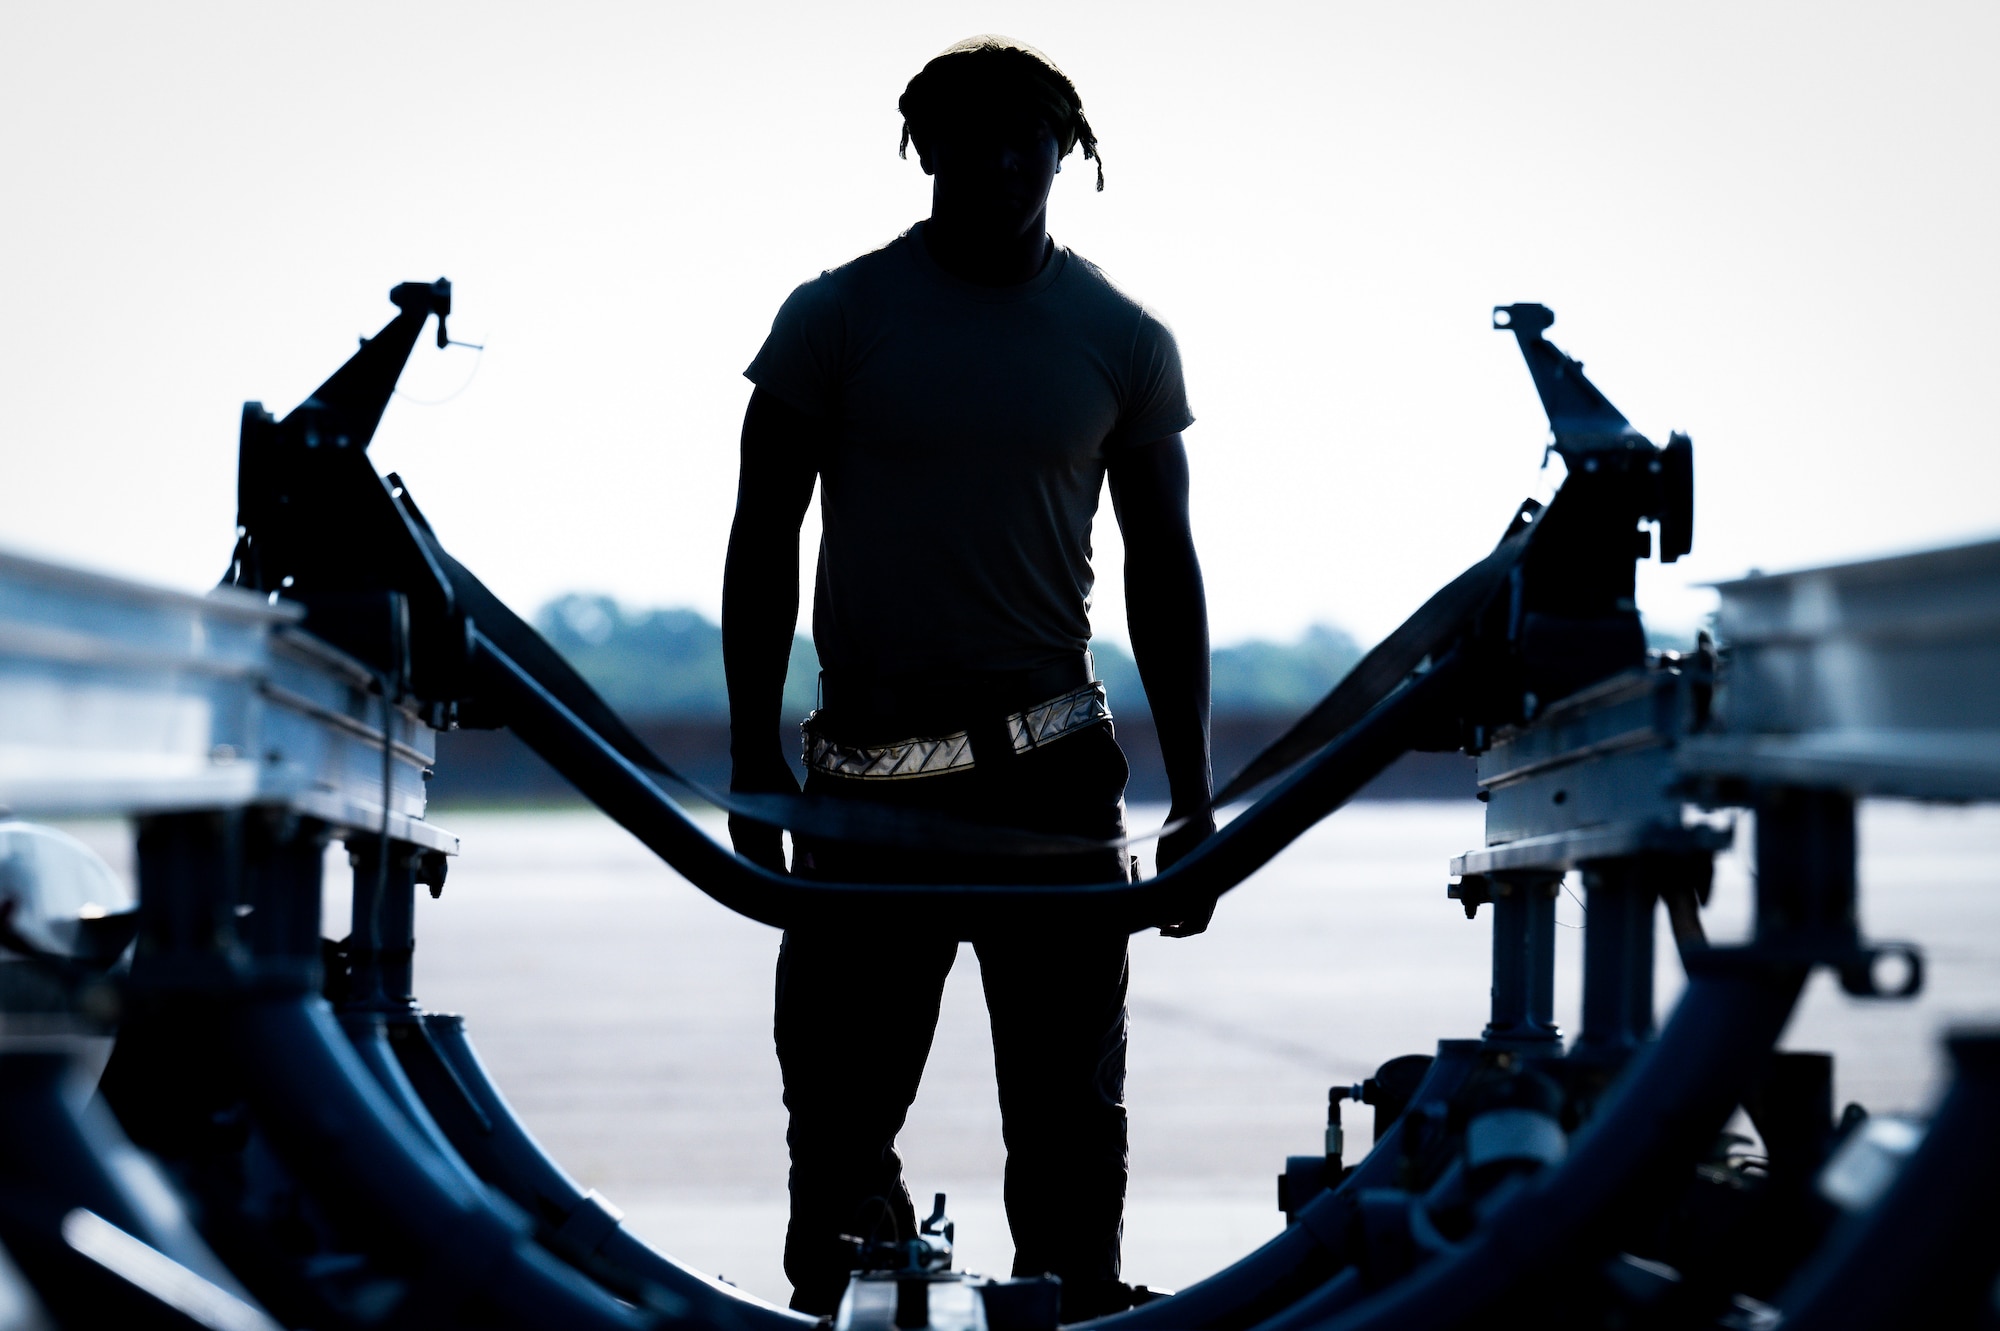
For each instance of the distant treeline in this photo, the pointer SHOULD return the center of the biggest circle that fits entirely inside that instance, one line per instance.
(668, 663)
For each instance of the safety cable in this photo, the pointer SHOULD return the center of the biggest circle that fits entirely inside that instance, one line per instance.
(479, 359)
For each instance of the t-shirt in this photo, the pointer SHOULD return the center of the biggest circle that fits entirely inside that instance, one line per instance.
(970, 427)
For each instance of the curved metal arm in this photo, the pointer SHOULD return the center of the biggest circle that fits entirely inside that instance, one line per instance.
(1437, 623)
(618, 786)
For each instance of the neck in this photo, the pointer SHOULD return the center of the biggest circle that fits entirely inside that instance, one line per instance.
(979, 256)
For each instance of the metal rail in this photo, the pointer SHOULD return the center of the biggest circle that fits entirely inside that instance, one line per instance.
(1527, 1176)
(618, 786)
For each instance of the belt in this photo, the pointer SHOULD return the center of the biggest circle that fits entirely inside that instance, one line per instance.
(1030, 728)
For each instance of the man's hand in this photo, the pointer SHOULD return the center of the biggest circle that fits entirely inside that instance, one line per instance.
(1175, 844)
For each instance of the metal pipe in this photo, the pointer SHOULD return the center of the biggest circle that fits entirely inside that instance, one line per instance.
(579, 1226)
(1624, 1165)
(1925, 1254)
(1313, 1250)
(338, 1129)
(1659, 1118)
(228, 1023)
(629, 796)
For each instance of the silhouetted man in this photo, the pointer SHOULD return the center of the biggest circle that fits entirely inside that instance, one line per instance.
(960, 395)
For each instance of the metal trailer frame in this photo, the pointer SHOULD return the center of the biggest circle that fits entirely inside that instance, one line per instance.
(356, 1166)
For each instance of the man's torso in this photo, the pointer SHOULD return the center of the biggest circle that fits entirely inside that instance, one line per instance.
(969, 433)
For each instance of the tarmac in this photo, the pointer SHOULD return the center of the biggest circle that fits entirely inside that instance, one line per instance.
(628, 1018)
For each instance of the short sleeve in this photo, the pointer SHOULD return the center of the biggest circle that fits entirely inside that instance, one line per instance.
(1156, 403)
(799, 362)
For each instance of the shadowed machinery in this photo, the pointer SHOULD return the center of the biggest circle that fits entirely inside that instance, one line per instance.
(283, 1136)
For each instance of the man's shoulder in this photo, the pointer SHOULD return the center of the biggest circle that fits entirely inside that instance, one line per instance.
(1138, 345)
(884, 263)
(1091, 287)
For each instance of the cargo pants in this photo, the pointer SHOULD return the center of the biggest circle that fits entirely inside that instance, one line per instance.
(856, 1011)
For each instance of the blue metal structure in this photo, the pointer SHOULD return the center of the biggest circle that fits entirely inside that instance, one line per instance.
(333, 1156)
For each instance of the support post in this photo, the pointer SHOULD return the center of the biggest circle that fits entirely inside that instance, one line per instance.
(1620, 900)
(383, 939)
(1524, 957)
(229, 915)
(229, 900)
(1805, 868)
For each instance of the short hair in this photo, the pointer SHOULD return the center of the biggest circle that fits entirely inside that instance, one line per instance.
(988, 71)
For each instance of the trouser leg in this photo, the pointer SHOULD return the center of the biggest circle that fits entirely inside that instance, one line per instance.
(1059, 1023)
(854, 1020)
(1058, 1028)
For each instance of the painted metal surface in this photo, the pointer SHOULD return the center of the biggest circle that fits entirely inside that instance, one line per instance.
(120, 698)
(1880, 678)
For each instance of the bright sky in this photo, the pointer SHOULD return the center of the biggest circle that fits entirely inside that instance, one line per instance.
(1772, 226)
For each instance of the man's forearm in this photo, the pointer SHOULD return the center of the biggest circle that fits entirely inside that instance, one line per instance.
(1167, 615)
(1167, 610)
(760, 586)
(760, 607)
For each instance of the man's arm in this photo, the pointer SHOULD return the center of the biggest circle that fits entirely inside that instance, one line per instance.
(760, 605)
(1166, 612)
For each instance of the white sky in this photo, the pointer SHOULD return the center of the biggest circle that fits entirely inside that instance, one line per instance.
(1773, 226)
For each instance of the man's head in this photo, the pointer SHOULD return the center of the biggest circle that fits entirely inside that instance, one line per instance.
(992, 119)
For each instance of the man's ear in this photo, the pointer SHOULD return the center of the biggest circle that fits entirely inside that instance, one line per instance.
(923, 154)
